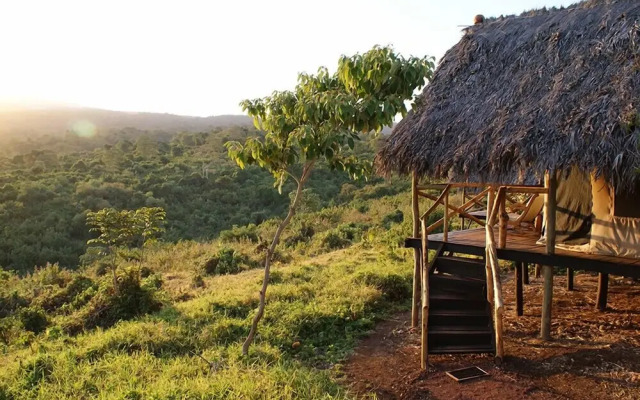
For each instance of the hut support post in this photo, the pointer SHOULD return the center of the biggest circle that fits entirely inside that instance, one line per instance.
(547, 270)
(519, 295)
(424, 350)
(525, 273)
(569, 278)
(603, 288)
(416, 252)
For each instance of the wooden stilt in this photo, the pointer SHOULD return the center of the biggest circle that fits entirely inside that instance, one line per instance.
(445, 232)
(547, 270)
(424, 351)
(537, 272)
(416, 252)
(569, 278)
(525, 273)
(603, 289)
(518, 278)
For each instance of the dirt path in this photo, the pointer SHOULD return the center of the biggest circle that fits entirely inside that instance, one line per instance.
(593, 355)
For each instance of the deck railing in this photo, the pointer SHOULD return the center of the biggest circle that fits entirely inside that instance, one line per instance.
(496, 206)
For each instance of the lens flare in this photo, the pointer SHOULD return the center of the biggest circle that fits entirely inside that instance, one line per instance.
(83, 128)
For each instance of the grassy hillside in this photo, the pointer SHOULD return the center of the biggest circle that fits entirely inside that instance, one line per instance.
(175, 328)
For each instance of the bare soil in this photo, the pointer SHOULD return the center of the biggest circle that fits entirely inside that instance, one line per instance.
(593, 355)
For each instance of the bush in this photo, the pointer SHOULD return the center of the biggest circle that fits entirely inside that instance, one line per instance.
(302, 235)
(393, 287)
(109, 305)
(10, 303)
(75, 294)
(239, 233)
(226, 261)
(51, 274)
(37, 370)
(33, 319)
(342, 236)
(395, 217)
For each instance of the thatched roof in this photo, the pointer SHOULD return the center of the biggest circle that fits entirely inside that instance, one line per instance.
(520, 95)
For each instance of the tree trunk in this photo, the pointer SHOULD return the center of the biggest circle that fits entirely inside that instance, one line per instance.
(267, 262)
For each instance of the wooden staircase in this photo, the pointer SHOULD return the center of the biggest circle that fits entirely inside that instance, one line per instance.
(459, 313)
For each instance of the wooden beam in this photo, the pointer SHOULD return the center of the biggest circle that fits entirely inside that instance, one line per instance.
(525, 273)
(424, 334)
(416, 252)
(547, 270)
(603, 289)
(435, 203)
(569, 279)
(519, 293)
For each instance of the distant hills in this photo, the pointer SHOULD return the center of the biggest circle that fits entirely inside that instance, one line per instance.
(58, 120)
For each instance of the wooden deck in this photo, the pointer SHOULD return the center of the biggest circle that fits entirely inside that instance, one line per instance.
(521, 246)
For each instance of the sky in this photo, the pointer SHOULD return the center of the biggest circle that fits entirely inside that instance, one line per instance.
(203, 57)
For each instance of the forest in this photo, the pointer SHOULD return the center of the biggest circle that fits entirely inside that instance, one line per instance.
(48, 184)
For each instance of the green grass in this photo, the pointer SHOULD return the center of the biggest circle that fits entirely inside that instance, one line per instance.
(316, 311)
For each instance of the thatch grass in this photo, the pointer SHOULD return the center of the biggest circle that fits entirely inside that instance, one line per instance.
(519, 95)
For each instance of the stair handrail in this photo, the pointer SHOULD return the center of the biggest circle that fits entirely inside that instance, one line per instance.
(493, 273)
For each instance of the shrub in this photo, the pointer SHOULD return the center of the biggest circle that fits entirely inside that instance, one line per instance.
(109, 305)
(395, 217)
(342, 236)
(37, 370)
(393, 287)
(33, 319)
(197, 281)
(10, 303)
(239, 233)
(51, 274)
(227, 261)
(9, 330)
(302, 235)
(70, 294)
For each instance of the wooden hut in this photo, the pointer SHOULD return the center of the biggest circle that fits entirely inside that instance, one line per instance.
(549, 96)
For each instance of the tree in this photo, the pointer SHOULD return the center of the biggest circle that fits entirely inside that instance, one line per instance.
(125, 228)
(320, 120)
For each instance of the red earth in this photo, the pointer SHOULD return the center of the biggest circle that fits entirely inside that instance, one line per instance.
(593, 355)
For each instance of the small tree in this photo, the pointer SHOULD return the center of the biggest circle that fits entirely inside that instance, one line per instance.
(320, 120)
(125, 228)
(149, 225)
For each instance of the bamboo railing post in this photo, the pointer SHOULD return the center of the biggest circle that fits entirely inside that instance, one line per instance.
(493, 272)
(464, 199)
(445, 232)
(417, 261)
(504, 220)
(488, 274)
(424, 350)
(547, 270)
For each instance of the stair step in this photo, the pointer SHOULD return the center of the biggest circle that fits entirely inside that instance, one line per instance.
(465, 267)
(445, 349)
(439, 283)
(449, 336)
(459, 317)
(457, 280)
(456, 301)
